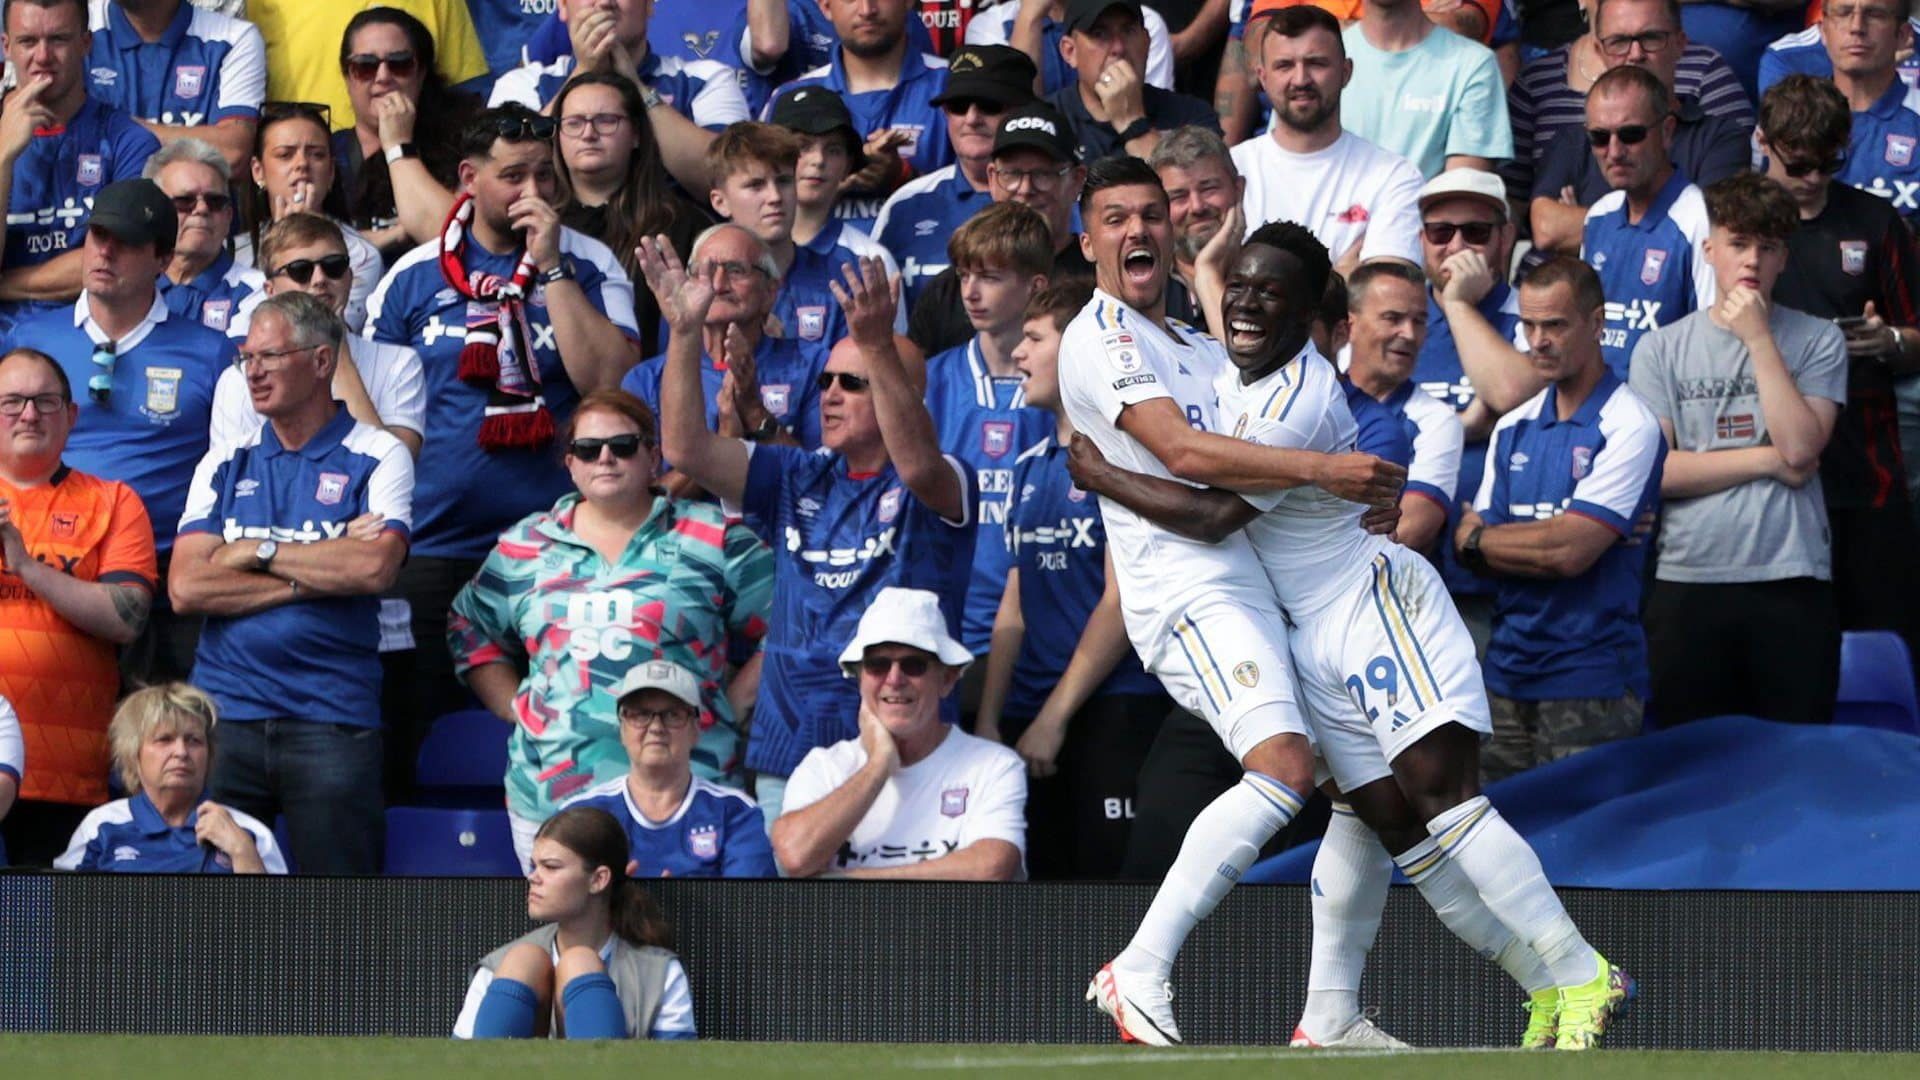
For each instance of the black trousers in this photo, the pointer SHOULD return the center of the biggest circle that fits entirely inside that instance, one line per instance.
(1078, 819)
(35, 832)
(1765, 648)
(418, 685)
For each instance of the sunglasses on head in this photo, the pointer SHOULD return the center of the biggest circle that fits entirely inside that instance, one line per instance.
(1441, 232)
(335, 267)
(100, 383)
(516, 127)
(364, 67)
(851, 383)
(911, 666)
(275, 111)
(215, 201)
(623, 447)
(1631, 135)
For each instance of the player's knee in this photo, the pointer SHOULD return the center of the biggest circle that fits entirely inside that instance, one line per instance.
(578, 960)
(1382, 808)
(528, 964)
(1441, 771)
(1286, 758)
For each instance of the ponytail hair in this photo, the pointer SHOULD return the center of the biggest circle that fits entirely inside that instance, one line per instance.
(598, 839)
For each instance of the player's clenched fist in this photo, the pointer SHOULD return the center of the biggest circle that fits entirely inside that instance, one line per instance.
(1361, 478)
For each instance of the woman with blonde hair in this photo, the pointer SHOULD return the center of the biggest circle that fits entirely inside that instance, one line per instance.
(162, 743)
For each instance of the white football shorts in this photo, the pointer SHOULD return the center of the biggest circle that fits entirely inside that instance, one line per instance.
(1225, 660)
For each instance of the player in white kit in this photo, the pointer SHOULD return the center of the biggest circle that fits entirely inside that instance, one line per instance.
(1201, 616)
(1385, 663)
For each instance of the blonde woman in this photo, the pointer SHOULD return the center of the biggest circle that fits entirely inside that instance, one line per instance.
(162, 743)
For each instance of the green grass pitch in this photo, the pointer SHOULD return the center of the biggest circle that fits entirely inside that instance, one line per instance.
(157, 1057)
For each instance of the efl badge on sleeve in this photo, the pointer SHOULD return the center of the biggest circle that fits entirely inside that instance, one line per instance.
(703, 842)
(996, 437)
(214, 314)
(890, 505)
(90, 172)
(1650, 266)
(1900, 150)
(1582, 462)
(953, 802)
(163, 390)
(1122, 350)
(188, 81)
(776, 397)
(813, 322)
(333, 488)
(1853, 257)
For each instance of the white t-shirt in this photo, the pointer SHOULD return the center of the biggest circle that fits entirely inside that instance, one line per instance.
(392, 374)
(1349, 190)
(1111, 357)
(1309, 542)
(13, 749)
(361, 254)
(673, 1020)
(967, 790)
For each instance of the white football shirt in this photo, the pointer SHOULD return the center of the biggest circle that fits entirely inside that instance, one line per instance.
(1111, 357)
(1352, 190)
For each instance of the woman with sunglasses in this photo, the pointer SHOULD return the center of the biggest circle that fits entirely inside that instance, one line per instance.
(293, 173)
(616, 188)
(574, 598)
(399, 163)
(598, 966)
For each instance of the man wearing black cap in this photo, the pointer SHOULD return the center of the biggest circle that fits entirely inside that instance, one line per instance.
(1110, 106)
(148, 380)
(1035, 164)
(830, 151)
(983, 82)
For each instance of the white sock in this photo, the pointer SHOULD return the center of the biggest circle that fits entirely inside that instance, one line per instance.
(1222, 842)
(1452, 896)
(1507, 874)
(1350, 878)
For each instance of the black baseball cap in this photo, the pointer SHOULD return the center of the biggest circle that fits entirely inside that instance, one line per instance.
(1084, 13)
(814, 110)
(993, 73)
(1040, 126)
(136, 212)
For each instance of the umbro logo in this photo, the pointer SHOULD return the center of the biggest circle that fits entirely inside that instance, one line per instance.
(925, 228)
(245, 488)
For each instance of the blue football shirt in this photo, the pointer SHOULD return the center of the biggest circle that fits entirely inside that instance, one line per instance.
(788, 372)
(717, 831)
(205, 68)
(1654, 270)
(220, 298)
(919, 219)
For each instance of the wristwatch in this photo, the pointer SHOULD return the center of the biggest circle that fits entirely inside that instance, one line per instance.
(1135, 130)
(1471, 556)
(263, 555)
(651, 98)
(404, 150)
(767, 429)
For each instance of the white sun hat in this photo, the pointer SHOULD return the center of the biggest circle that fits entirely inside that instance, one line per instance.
(904, 617)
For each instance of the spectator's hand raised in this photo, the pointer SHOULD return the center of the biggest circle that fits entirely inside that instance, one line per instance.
(1121, 95)
(539, 222)
(215, 825)
(1468, 277)
(1361, 478)
(683, 298)
(13, 546)
(1871, 339)
(867, 297)
(1217, 256)
(740, 392)
(1743, 313)
(882, 151)
(299, 199)
(882, 752)
(397, 116)
(22, 112)
(592, 34)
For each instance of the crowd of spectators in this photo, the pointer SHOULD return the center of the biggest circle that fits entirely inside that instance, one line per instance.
(679, 387)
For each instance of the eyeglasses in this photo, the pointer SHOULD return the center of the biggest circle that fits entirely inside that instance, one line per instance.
(15, 404)
(216, 202)
(519, 127)
(1440, 233)
(1801, 169)
(671, 719)
(335, 267)
(1631, 135)
(272, 112)
(959, 106)
(706, 267)
(623, 447)
(270, 361)
(364, 67)
(100, 383)
(879, 666)
(1650, 42)
(605, 123)
(1037, 179)
(851, 383)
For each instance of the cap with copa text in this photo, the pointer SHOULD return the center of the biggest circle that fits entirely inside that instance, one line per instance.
(995, 73)
(135, 212)
(1039, 126)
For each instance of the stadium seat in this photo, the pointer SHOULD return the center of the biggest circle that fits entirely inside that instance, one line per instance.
(463, 761)
(1876, 683)
(428, 842)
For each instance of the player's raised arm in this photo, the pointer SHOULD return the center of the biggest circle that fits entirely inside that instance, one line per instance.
(1217, 461)
(1208, 515)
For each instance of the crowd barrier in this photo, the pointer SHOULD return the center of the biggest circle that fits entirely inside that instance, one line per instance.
(913, 962)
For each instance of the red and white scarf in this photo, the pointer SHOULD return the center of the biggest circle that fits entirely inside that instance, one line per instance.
(497, 354)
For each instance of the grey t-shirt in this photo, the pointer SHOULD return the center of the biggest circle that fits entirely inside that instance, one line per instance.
(1699, 377)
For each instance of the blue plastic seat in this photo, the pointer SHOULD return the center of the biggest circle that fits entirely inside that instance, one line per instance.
(463, 760)
(433, 842)
(1876, 682)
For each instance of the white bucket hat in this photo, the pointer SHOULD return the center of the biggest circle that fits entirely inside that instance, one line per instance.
(660, 675)
(905, 617)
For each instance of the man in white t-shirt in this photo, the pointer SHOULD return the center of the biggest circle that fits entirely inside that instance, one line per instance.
(380, 384)
(911, 797)
(1358, 199)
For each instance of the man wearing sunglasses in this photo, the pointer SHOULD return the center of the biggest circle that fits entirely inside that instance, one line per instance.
(59, 146)
(984, 82)
(611, 35)
(145, 382)
(183, 71)
(909, 796)
(1647, 238)
(203, 282)
(286, 543)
